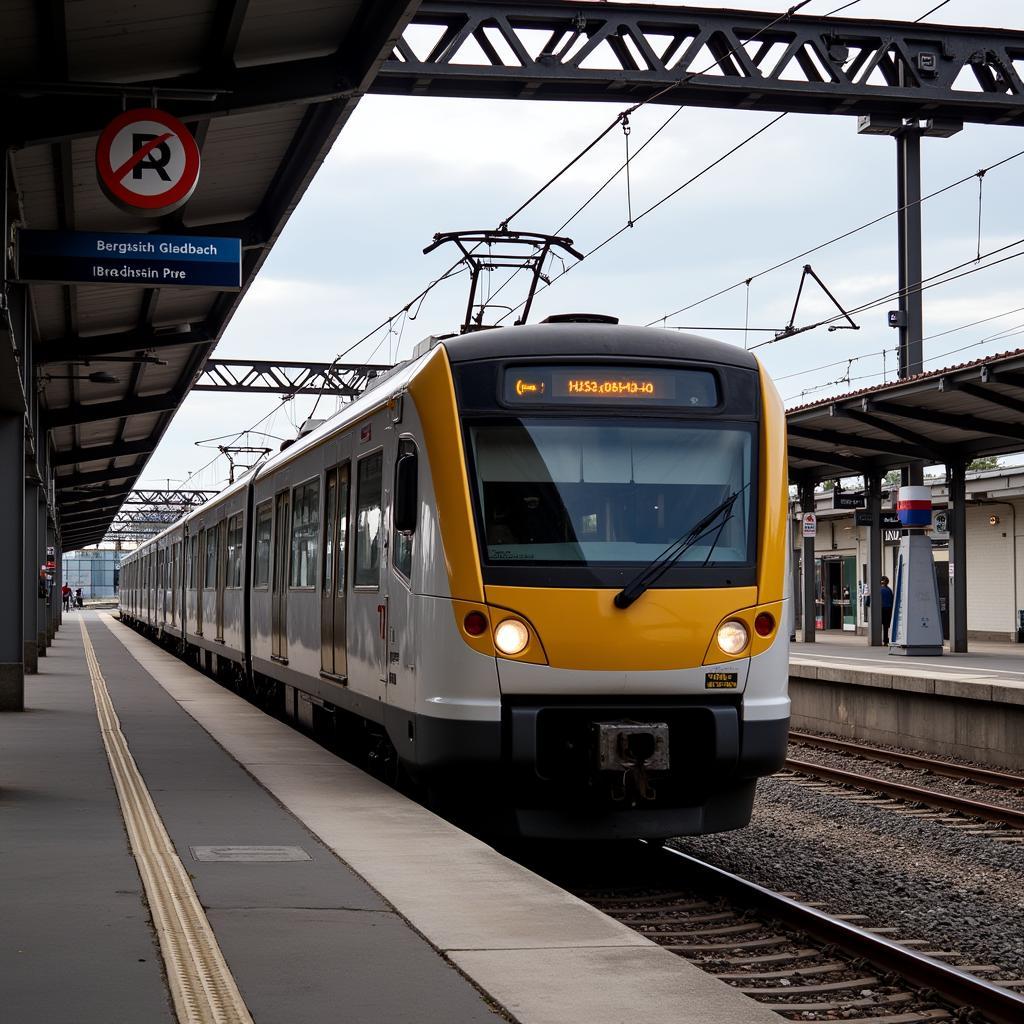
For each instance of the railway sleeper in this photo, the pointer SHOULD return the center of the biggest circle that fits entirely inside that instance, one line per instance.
(793, 972)
(809, 990)
(899, 997)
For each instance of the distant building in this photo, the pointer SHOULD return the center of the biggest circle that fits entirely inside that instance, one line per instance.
(96, 572)
(995, 557)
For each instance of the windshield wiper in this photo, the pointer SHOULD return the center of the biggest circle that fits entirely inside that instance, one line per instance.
(651, 573)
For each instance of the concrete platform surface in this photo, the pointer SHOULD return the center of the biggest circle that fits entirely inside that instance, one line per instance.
(989, 672)
(368, 928)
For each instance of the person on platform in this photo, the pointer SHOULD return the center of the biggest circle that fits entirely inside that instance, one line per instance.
(78, 597)
(65, 594)
(885, 593)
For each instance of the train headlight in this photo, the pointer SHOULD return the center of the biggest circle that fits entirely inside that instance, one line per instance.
(733, 636)
(511, 636)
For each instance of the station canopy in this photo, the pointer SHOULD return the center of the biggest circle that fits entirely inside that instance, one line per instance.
(946, 416)
(265, 87)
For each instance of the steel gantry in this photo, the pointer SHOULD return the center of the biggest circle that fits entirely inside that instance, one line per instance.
(253, 376)
(548, 50)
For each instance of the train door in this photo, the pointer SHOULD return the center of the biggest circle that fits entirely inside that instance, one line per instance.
(221, 575)
(401, 608)
(158, 589)
(368, 603)
(279, 597)
(333, 623)
(198, 568)
(175, 571)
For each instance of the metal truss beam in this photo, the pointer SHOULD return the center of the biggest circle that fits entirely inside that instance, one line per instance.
(102, 452)
(958, 421)
(265, 377)
(895, 429)
(97, 476)
(830, 458)
(95, 411)
(76, 350)
(845, 440)
(549, 50)
(176, 498)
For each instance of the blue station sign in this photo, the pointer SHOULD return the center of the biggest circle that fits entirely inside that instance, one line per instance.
(154, 261)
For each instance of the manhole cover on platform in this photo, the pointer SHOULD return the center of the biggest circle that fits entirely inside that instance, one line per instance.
(249, 854)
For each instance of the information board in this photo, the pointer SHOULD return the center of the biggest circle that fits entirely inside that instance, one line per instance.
(154, 261)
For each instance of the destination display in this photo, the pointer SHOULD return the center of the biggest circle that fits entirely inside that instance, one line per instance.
(601, 385)
(116, 258)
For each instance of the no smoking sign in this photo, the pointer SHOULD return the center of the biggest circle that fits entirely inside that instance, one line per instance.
(147, 162)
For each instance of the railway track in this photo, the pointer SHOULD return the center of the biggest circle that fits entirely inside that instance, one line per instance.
(792, 957)
(934, 765)
(890, 789)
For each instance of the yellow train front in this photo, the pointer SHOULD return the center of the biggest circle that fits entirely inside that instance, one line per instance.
(612, 505)
(542, 568)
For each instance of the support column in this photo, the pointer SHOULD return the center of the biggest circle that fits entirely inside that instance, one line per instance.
(807, 561)
(873, 488)
(30, 582)
(56, 602)
(12, 596)
(42, 626)
(956, 476)
(908, 191)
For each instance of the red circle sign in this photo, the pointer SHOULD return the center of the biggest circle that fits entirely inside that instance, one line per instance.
(147, 162)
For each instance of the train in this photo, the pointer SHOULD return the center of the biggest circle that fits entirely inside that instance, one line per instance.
(541, 570)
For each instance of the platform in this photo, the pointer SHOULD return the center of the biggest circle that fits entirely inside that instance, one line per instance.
(962, 705)
(329, 895)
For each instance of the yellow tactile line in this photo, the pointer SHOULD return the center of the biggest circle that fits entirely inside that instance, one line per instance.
(202, 986)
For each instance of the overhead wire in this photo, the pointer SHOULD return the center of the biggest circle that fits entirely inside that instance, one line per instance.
(654, 206)
(837, 238)
(899, 292)
(1009, 332)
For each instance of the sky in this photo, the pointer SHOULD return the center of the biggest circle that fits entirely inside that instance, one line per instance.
(406, 167)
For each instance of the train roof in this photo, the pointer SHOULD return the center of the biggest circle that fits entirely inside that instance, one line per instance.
(595, 340)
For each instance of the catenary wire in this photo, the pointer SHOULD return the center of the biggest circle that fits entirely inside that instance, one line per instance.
(837, 238)
(654, 206)
(923, 286)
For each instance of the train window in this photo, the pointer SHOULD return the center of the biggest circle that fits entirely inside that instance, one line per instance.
(592, 492)
(234, 573)
(406, 507)
(368, 532)
(210, 575)
(261, 559)
(305, 534)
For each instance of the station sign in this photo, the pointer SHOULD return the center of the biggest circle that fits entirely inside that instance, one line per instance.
(888, 520)
(154, 261)
(849, 499)
(147, 162)
(810, 523)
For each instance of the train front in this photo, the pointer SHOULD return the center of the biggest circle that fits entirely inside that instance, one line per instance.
(629, 496)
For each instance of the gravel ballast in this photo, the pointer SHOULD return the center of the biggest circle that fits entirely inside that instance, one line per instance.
(964, 894)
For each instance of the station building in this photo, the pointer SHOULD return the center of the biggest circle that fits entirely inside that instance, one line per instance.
(995, 557)
(95, 572)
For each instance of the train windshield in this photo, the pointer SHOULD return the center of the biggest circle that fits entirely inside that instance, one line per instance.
(592, 493)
